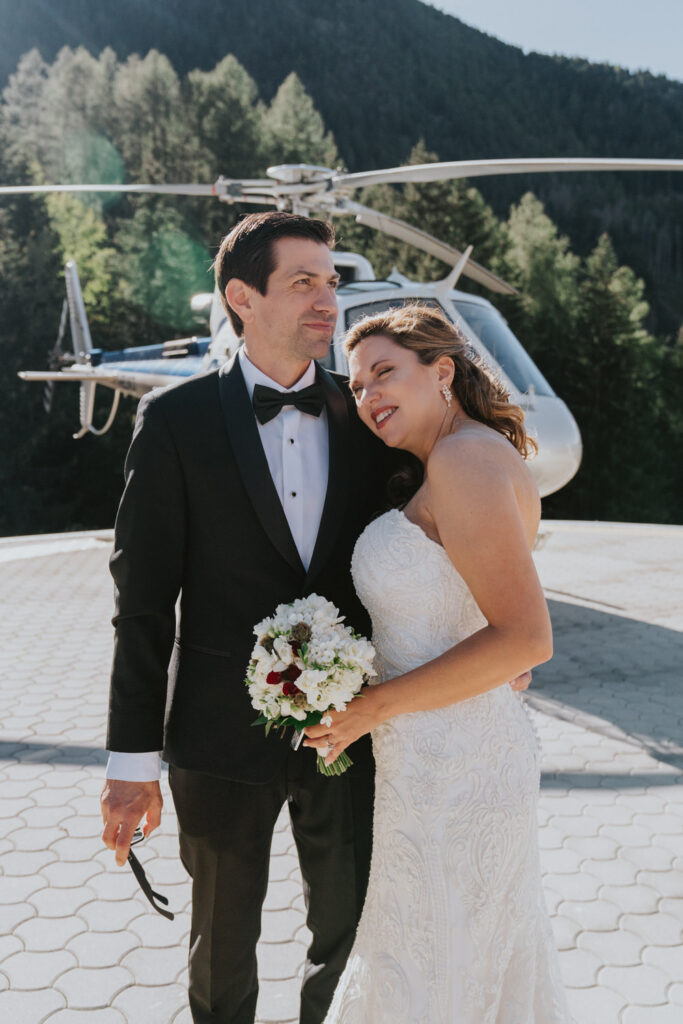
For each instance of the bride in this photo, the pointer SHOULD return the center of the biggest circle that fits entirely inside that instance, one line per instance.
(454, 928)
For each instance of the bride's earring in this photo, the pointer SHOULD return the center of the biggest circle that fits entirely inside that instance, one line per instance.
(447, 394)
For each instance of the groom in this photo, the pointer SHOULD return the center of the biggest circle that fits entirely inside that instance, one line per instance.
(244, 488)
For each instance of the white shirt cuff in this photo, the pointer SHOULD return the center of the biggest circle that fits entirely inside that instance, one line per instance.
(143, 767)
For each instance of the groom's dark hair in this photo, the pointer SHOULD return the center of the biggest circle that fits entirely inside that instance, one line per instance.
(247, 252)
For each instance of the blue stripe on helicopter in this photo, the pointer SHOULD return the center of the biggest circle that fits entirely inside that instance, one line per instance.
(181, 367)
(194, 347)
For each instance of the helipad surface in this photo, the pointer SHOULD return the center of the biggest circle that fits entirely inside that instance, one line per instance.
(78, 942)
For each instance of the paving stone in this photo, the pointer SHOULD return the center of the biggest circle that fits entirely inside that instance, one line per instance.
(116, 884)
(70, 874)
(632, 899)
(595, 1005)
(41, 934)
(618, 948)
(9, 944)
(51, 902)
(579, 967)
(13, 914)
(668, 884)
(155, 966)
(55, 797)
(566, 931)
(101, 949)
(88, 988)
(595, 847)
(278, 1001)
(281, 896)
(35, 839)
(79, 848)
(658, 929)
(106, 1016)
(11, 808)
(111, 916)
(551, 838)
(155, 932)
(82, 826)
(560, 862)
(642, 985)
(613, 872)
(21, 863)
(659, 824)
(280, 925)
(279, 961)
(578, 886)
(552, 899)
(17, 889)
(675, 994)
(33, 970)
(12, 788)
(651, 1015)
(593, 915)
(627, 835)
(46, 817)
(29, 1007)
(156, 1005)
(668, 958)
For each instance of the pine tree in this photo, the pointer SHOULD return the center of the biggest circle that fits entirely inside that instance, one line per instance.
(295, 131)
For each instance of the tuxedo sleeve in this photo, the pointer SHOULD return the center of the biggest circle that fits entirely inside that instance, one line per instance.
(146, 564)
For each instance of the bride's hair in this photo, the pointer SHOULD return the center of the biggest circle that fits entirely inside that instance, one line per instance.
(430, 335)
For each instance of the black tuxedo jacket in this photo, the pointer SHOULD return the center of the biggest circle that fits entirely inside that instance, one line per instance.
(200, 518)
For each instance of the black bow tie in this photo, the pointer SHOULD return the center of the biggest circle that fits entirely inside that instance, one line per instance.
(268, 402)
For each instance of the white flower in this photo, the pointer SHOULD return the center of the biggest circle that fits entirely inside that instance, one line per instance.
(283, 649)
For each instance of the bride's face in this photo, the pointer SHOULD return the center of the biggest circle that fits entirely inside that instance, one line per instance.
(397, 396)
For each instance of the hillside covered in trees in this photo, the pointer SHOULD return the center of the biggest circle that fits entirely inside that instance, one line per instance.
(582, 315)
(386, 73)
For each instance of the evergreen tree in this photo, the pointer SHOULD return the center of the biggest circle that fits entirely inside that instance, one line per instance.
(452, 211)
(295, 132)
(83, 238)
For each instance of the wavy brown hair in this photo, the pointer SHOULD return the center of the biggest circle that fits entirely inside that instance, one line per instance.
(430, 335)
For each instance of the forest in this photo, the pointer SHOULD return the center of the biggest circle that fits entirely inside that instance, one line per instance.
(583, 312)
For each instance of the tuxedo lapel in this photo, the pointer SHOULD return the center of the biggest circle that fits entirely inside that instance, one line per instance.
(338, 475)
(240, 422)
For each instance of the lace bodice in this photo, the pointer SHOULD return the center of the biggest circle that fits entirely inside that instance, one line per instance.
(419, 603)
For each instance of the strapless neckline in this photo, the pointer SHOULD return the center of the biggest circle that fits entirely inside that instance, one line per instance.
(426, 536)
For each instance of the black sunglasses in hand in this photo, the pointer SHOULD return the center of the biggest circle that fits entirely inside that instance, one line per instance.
(141, 877)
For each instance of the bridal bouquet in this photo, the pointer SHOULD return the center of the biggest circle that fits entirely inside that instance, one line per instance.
(305, 663)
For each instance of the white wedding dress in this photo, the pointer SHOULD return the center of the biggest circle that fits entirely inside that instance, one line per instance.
(454, 928)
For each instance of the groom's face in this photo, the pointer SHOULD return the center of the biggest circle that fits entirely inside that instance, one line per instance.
(297, 315)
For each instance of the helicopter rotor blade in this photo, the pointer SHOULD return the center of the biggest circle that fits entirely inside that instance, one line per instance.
(485, 168)
(223, 187)
(428, 243)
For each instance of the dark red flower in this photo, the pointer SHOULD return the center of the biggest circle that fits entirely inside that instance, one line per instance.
(292, 673)
(274, 678)
(290, 689)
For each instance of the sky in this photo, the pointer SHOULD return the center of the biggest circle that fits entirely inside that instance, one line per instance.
(634, 34)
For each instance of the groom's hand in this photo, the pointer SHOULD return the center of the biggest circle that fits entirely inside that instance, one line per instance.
(124, 804)
(521, 682)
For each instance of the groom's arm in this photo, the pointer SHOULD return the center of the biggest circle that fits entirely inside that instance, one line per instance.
(147, 570)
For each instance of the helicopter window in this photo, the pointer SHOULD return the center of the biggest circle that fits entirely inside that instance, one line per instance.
(354, 313)
(498, 339)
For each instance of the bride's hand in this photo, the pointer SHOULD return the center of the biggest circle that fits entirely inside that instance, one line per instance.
(521, 682)
(361, 716)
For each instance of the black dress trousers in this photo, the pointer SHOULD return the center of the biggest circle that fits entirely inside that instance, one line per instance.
(226, 829)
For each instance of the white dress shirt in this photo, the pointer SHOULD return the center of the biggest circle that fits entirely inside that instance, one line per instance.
(297, 450)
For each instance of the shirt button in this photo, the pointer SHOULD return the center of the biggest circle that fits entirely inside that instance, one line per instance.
(293, 494)
(291, 440)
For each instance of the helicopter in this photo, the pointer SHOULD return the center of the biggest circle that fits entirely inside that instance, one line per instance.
(303, 188)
